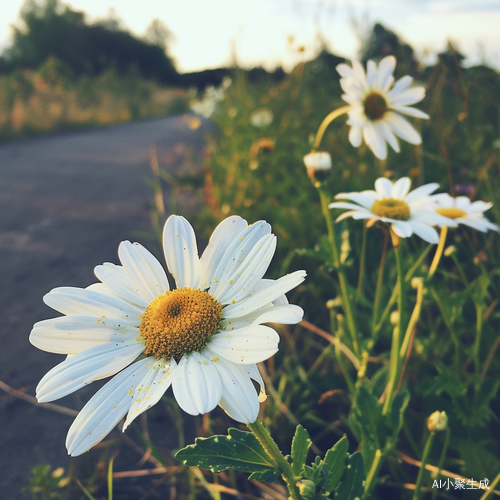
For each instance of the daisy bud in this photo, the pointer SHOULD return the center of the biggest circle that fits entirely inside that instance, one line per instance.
(318, 165)
(394, 318)
(306, 488)
(438, 421)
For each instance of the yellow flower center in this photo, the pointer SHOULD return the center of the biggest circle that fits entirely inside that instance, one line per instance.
(391, 208)
(375, 106)
(451, 213)
(179, 322)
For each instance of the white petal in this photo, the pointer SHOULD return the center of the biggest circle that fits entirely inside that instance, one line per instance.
(405, 110)
(444, 200)
(249, 345)
(374, 140)
(476, 207)
(264, 297)
(405, 97)
(371, 73)
(152, 387)
(81, 369)
(402, 229)
(106, 408)
(224, 234)
(357, 216)
(433, 219)
(118, 281)
(181, 252)
(365, 198)
(239, 397)
(196, 384)
(143, 269)
(402, 84)
(347, 205)
(400, 188)
(383, 187)
(402, 128)
(344, 70)
(420, 192)
(74, 334)
(356, 135)
(389, 136)
(235, 255)
(244, 278)
(384, 77)
(425, 232)
(83, 302)
(286, 314)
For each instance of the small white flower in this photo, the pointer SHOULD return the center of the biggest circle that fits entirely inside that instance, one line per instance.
(204, 338)
(463, 211)
(318, 160)
(376, 108)
(205, 107)
(407, 211)
(261, 117)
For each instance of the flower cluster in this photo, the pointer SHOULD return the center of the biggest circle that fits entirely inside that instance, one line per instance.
(413, 212)
(212, 96)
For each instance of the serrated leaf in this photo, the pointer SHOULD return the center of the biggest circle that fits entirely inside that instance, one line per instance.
(239, 451)
(300, 446)
(335, 461)
(352, 486)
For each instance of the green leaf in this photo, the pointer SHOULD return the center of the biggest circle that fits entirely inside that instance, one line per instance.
(300, 446)
(239, 451)
(268, 476)
(352, 485)
(335, 461)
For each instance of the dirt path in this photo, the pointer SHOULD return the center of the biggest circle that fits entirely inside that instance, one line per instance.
(65, 204)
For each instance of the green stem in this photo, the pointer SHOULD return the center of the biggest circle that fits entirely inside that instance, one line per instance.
(362, 264)
(265, 439)
(373, 472)
(425, 456)
(477, 343)
(441, 459)
(380, 280)
(395, 363)
(487, 493)
(449, 325)
(439, 251)
(329, 119)
(413, 320)
(346, 303)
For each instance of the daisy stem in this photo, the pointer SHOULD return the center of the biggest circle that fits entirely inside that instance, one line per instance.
(425, 456)
(439, 251)
(362, 264)
(340, 272)
(380, 280)
(328, 119)
(268, 443)
(395, 363)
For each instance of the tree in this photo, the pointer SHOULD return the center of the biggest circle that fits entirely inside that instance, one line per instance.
(50, 28)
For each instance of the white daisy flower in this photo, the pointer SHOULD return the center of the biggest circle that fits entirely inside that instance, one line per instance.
(407, 211)
(261, 117)
(463, 211)
(376, 108)
(203, 338)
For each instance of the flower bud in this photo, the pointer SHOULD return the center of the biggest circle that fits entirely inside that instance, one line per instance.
(394, 318)
(307, 488)
(438, 421)
(318, 164)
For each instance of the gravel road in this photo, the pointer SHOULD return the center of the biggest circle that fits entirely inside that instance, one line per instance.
(66, 202)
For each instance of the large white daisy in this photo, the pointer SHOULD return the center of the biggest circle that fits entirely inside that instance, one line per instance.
(463, 211)
(407, 211)
(203, 338)
(376, 108)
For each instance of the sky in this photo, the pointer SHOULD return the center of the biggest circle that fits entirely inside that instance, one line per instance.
(212, 33)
